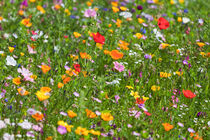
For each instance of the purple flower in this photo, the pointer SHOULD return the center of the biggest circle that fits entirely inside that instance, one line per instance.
(62, 130)
(25, 3)
(185, 62)
(140, 74)
(147, 56)
(90, 13)
(118, 66)
(139, 7)
(117, 97)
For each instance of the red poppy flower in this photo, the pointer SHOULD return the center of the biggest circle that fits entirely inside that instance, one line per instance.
(77, 67)
(163, 23)
(139, 101)
(98, 38)
(188, 94)
(147, 113)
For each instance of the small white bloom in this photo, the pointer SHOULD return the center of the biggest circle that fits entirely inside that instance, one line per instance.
(125, 14)
(11, 61)
(185, 20)
(2, 124)
(7, 136)
(25, 124)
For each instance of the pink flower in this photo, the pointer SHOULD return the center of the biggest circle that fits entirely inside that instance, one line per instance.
(90, 13)
(62, 130)
(26, 74)
(118, 66)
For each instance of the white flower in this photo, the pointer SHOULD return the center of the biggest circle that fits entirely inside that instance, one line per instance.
(25, 124)
(2, 124)
(11, 61)
(126, 14)
(8, 136)
(185, 20)
(7, 121)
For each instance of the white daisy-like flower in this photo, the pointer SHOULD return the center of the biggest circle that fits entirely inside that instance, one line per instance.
(25, 124)
(126, 14)
(2, 124)
(11, 61)
(185, 20)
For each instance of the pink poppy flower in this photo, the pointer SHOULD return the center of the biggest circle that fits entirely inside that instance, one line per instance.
(90, 13)
(118, 66)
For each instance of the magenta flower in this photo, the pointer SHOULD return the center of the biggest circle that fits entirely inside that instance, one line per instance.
(90, 13)
(62, 130)
(118, 66)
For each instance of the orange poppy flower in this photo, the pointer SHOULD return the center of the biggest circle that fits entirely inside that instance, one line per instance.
(60, 85)
(38, 116)
(90, 114)
(16, 81)
(107, 116)
(45, 89)
(22, 91)
(45, 68)
(66, 80)
(115, 54)
(167, 126)
(71, 114)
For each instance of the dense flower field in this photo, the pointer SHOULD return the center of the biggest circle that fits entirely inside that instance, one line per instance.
(104, 69)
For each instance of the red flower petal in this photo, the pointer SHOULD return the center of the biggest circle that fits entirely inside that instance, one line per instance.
(188, 94)
(98, 38)
(163, 23)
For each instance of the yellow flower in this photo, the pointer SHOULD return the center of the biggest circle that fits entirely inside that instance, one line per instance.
(81, 131)
(115, 4)
(71, 114)
(21, 12)
(134, 94)
(123, 8)
(200, 44)
(76, 34)
(57, 6)
(203, 54)
(11, 49)
(22, 54)
(45, 89)
(179, 19)
(42, 96)
(155, 88)
(26, 22)
(88, 3)
(1, 18)
(179, 73)
(67, 12)
(32, 1)
(118, 23)
(171, 2)
(129, 87)
(17, 81)
(139, 35)
(160, 59)
(145, 98)
(97, 133)
(140, 20)
(107, 116)
(115, 9)
(181, 1)
(163, 45)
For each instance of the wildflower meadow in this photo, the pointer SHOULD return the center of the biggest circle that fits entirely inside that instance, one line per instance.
(104, 70)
